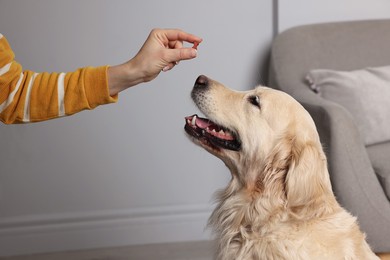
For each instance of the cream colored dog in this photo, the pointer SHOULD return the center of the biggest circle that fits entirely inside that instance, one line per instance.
(279, 203)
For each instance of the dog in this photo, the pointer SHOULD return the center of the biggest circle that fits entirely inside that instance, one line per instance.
(279, 202)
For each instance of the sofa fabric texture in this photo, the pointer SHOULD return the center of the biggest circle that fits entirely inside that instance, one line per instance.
(379, 155)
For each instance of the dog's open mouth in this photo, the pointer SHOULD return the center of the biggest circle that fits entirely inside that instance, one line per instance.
(214, 135)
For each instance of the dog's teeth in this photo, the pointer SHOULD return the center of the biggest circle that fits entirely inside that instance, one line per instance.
(221, 132)
(193, 120)
(214, 131)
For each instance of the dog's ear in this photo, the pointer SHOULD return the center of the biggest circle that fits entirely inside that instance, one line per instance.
(298, 170)
(277, 164)
(307, 181)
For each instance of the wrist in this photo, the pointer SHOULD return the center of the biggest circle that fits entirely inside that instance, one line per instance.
(123, 76)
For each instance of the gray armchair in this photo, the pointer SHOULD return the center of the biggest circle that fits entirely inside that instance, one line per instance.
(352, 165)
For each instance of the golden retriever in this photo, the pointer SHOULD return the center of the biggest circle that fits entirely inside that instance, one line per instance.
(279, 203)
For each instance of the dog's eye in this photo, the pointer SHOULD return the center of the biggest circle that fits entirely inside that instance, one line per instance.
(254, 100)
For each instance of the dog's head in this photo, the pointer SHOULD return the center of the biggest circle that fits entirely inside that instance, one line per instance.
(265, 137)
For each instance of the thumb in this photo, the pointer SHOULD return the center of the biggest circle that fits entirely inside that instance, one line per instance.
(182, 54)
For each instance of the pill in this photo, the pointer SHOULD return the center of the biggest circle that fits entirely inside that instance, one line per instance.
(195, 45)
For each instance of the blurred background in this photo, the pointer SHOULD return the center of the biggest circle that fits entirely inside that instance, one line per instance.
(125, 173)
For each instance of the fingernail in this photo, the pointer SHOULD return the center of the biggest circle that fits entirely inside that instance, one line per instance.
(194, 53)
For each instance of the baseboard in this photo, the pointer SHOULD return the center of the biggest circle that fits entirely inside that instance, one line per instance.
(85, 230)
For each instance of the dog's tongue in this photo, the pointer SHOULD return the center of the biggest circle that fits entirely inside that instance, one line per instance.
(209, 126)
(202, 122)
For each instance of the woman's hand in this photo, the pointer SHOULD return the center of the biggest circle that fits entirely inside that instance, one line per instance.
(162, 50)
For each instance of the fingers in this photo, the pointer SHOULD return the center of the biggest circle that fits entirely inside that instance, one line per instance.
(179, 35)
(168, 67)
(177, 55)
(183, 54)
(173, 40)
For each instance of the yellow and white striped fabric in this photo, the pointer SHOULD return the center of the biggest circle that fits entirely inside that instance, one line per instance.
(27, 96)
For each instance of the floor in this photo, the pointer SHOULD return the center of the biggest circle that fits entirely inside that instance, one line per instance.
(385, 256)
(202, 250)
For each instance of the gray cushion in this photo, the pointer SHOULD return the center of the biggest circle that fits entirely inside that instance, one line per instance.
(380, 158)
(365, 93)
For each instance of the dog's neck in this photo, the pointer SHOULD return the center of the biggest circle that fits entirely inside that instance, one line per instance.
(242, 216)
(245, 214)
(246, 208)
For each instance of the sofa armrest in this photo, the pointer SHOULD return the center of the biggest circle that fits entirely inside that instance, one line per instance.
(353, 178)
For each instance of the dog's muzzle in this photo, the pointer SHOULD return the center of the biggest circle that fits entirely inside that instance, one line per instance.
(205, 130)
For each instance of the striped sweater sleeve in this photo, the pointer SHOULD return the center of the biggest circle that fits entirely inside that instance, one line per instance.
(26, 96)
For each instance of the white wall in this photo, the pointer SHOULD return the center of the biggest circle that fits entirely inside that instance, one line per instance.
(299, 12)
(123, 173)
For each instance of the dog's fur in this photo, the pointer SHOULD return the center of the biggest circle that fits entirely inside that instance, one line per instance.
(279, 203)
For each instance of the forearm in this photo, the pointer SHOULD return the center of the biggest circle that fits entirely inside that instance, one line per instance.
(33, 97)
(26, 96)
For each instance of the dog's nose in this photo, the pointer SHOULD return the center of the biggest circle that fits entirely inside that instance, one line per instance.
(201, 82)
